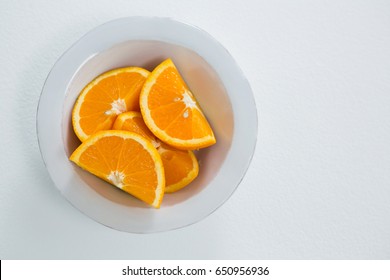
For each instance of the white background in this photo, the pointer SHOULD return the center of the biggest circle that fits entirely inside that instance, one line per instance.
(319, 183)
(214, 269)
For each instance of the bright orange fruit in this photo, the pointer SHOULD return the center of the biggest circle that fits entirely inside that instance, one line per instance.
(104, 98)
(127, 161)
(181, 167)
(171, 112)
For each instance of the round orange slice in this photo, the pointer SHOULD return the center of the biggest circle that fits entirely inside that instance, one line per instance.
(180, 166)
(104, 98)
(171, 112)
(127, 161)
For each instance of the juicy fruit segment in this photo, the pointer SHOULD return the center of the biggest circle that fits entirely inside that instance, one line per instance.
(104, 98)
(181, 167)
(127, 161)
(171, 112)
(132, 121)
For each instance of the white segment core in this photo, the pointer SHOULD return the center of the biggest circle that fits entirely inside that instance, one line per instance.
(187, 100)
(116, 178)
(117, 107)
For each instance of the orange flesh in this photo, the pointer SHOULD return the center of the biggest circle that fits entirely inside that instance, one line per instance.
(97, 100)
(171, 112)
(125, 156)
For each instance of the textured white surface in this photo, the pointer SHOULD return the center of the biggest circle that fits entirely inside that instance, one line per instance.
(319, 183)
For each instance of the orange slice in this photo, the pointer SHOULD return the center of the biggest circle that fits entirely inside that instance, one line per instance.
(104, 98)
(127, 161)
(132, 121)
(181, 167)
(171, 112)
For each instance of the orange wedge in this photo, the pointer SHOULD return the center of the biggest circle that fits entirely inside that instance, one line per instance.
(171, 112)
(104, 98)
(181, 167)
(132, 121)
(127, 161)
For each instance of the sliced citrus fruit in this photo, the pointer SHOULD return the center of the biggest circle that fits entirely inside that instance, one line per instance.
(180, 166)
(171, 112)
(127, 161)
(132, 121)
(104, 98)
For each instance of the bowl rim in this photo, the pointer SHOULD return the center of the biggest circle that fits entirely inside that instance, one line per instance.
(43, 125)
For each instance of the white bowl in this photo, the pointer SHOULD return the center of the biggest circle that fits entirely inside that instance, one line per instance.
(216, 81)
